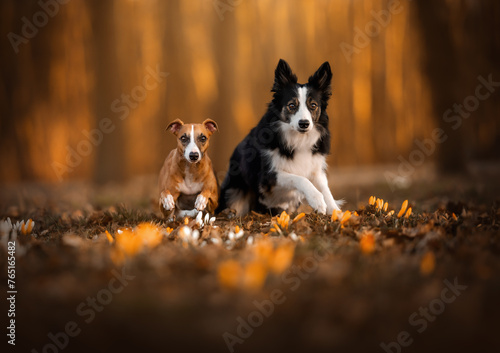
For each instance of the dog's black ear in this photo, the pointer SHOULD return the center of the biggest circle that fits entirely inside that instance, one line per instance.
(322, 79)
(175, 126)
(210, 125)
(283, 76)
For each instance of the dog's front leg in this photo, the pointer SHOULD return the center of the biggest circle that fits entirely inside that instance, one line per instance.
(321, 182)
(206, 200)
(212, 203)
(167, 202)
(314, 198)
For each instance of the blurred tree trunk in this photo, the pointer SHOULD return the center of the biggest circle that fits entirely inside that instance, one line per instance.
(12, 113)
(442, 68)
(225, 36)
(109, 161)
(24, 74)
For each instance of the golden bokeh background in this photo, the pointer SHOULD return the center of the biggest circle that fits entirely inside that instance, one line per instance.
(220, 57)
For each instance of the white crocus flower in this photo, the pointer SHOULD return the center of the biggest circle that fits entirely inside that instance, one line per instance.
(239, 234)
(196, 235)
(17, 226)
(27, 227)
(199, 220)
(5, 227)
(215, 241)
(185, 233)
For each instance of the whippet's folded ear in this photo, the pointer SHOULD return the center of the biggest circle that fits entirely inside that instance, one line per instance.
(210, 125)
(175, 126)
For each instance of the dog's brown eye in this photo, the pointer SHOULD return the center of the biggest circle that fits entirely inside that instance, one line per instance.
(291, 106)
(314, 105)
(203, 138)
(184, 139)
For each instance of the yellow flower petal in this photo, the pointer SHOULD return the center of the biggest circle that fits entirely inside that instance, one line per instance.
(263, 250)
(345, 217)
(149, 234)
(386, 205)
(254, 275)
(403, 209)
(128, 243)
(283, 220)
(282, 258)
(110, 238)
(299, 217)
(428, 263)
(29, 226)
(229, 274)
(335, 215)
(367, 243)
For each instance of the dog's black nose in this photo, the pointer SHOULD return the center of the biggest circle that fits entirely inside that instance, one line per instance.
(303, 124)
(194, 156)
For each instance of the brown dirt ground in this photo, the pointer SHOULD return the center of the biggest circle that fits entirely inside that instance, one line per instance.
(347, 300)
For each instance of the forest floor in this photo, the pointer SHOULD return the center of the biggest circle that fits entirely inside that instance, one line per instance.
(101, 271)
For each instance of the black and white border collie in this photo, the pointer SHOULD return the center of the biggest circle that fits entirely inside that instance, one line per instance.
(281, 162)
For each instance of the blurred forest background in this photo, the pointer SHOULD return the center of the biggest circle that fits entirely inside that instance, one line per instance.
(220, 57)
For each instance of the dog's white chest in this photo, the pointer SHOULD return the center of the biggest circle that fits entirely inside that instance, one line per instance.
(189, 187)
(303, 163)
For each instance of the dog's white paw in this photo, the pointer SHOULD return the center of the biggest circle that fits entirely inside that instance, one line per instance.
(333, 206)
(167, 202)
(201, 202)
(317, 201)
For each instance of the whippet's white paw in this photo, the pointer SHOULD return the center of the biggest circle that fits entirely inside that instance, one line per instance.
(201, 202)
(167, 202)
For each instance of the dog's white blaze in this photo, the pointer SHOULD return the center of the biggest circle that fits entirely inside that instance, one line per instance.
(303, 113)
(299, 141)
(191, 147)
